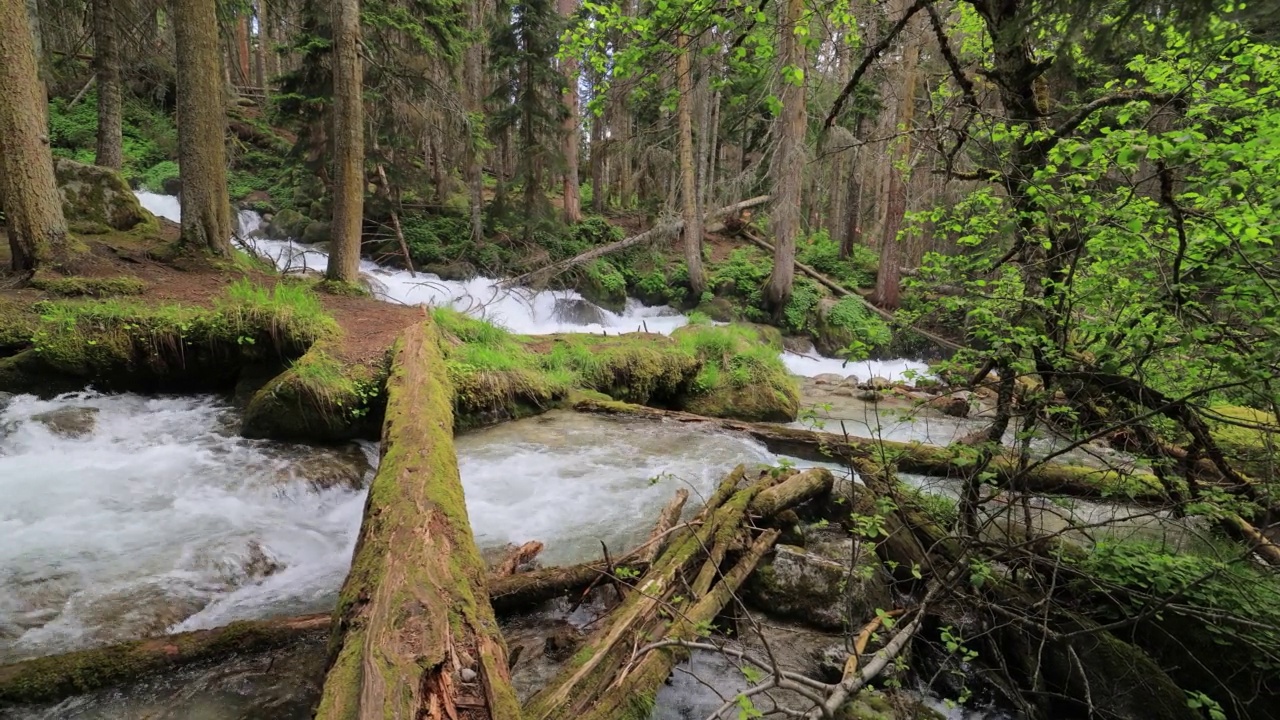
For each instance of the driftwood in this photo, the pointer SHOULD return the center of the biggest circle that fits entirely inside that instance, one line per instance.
(52, 678)
(667, 520)
(510, 564)
(912, 457)
(414, 634)
(652, 235)
(684, 590)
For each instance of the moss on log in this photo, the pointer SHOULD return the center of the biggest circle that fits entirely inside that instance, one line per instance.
(414, 634)
(952, 461)
(55, 677)
(319, 398)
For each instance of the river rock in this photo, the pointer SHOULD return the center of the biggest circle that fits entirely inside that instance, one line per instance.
(577, 311)
(870, 396)
(828, 379)
(876, 383)
(69, 422)
(822, 586)
(5, 399)
(340, 466)
(97, 200)
(798, 344)
(952, 405)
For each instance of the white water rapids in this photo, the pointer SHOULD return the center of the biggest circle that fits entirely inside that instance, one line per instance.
(155, 516)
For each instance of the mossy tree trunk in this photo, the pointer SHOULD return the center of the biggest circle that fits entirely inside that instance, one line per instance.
(33, 210)
(414, 634)
(569, 66)
(202, 153)
(106, 68)
(348, 145)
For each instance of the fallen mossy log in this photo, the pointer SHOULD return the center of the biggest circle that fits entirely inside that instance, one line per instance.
(679, 596)
(52, 678)
(414, 634)
(912, 457)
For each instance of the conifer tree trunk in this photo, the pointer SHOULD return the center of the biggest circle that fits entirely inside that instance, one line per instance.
(33, 210)
(260, 49)
(202, 152)
(106, 67)
(889, 277)
(692, 231)
(242, 49)
(348, 143)
(788, 161)
(473, 72)
(572, 204)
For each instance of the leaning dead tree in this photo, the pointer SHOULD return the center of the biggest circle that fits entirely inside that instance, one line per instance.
(414, 635)
(664, 230)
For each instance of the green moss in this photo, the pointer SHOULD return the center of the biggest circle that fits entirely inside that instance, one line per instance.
(741, 375)
(89, 287)
(339, 287)
(121, 343)
(318, 398)
(1255, 445)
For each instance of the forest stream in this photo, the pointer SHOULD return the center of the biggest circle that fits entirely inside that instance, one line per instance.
(184, 525)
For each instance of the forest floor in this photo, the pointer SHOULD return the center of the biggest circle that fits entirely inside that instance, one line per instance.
(369, 326)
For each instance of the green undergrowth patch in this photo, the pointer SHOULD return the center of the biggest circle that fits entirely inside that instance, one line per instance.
(89, 287)
(741, 375)
(1249, 435)
(725, 371)
(319, 398)
(123, 343)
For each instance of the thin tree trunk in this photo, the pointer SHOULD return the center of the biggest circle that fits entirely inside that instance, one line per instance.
(348, 143)
(33, 210)
(106, 67)
(788, 161)
(572, 204)
(260, 48)
(599, 195)
(202, 153)
(242, 49)
(692, 230)
(414, 634)
(474, 78)
(889, 277)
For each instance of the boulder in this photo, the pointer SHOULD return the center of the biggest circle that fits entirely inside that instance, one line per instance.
(317, 232)
(952, 405)
(825, 586)
(870, 396)
(577, 311)
(876, 383)
(798, 344)
(340, 466)
(287, 224)
(828, 379)
(97, 200)
(716, 308)
(69, 422)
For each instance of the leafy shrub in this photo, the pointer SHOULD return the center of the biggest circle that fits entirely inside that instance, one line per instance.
(822, 253)
(155, 176)
(868, 328)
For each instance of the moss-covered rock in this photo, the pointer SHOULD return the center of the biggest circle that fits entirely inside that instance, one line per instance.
(288, 224)
(318, 399)
(97, 200)
(845, 327)
(741, 376)
(826, 585)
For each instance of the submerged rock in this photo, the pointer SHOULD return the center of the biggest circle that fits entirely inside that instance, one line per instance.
(577, 311)
(824, 586)
(97, 200)
(342, 466)
(69, 422)
(956, 405)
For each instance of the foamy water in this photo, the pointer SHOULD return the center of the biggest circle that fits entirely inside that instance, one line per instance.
(522, 310)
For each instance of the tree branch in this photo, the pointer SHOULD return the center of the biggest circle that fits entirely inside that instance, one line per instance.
(871, 56)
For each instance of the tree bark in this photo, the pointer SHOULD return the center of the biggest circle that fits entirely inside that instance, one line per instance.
(242, 49)
(474, 78)
(202, 153)
(260, 47)
(33, 209)
(348, 143)
(889, 276)
(572, 139)
(692, 230)
(106, 67)
(788, 161)
(414, 634)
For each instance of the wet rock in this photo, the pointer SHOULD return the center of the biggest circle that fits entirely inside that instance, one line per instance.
(823, 585)
(843, 391)
(918, 396)
(69, 422)
(5, 399)
(717, 308)
(561, 643)
(260, 563)
(341, 466)
(870, 396)
(798, 344)
(287, 224)
(577, 311)
(950, 405)
(97, 200)
(876, 383)
(828, 379)
(851, 381)
(317, 232)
